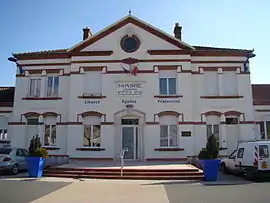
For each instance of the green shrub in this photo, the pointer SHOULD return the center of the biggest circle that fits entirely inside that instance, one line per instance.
(35, 148)
(212, 149)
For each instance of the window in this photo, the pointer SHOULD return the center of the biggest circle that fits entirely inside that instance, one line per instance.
(240, 153)
(211, 85)
(50, 135)
(213, 130)
(130, 44)
(232, 121)
(168, 136)
(92, 81)
(52, 86)
(3, 134)
(34, 87)
(263, 151)
(32, 121)
(91, 136)
(230, 87)
(186, 133)
(167, 82)
(233, 155)
(265, 129)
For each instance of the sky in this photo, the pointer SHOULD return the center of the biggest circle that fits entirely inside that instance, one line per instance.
(36, 25)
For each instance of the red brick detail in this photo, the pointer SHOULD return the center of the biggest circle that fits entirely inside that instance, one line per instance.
(91, 97)
(92, 53)
(169, 149)
(31, 114)
(232, 113)
(212, 113)
(91, 113)
(168, 113)
(42, 98)
(90, 149)
(167, 67)
(107, 123)
(168, 96)
(221, 97)
(16, 123)
(49, 148)
(46, 114)
(152, 123)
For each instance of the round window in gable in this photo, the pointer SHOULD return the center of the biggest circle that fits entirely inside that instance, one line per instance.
(130, 43)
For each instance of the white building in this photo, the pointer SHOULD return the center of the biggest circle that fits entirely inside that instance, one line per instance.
(132, 86)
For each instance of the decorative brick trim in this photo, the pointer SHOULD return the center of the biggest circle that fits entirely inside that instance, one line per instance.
(262, 110)
(212, 113)
(46, 114)
(168, 96)
(168, 52)
(5, 111)
(91, 97)
(232, 113)
(42, 98)
(31, 114)
(168, 113)
(169, 149)
(92, 53)
(169, 67)
(91, 113)
(94, 68)
(247, 122)
(46, 64)
(49, 148)
(90, 149)
(107, 123)
(69, 123)
(152, 123)
(224, 68)
(16, 123)
(221, 97)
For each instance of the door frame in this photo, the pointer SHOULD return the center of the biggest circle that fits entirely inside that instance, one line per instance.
(135, 140)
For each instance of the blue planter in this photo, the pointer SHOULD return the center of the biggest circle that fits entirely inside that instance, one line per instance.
(210, 169)
(35, 166)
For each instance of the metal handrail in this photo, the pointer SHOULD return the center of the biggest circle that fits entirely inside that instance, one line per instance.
(122, 155)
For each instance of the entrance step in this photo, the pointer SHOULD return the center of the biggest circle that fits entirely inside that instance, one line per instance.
(191, 173)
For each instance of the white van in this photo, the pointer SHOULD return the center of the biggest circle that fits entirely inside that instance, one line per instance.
(251, 157)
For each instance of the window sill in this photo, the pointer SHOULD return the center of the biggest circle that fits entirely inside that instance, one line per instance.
(168, 96)
(42, 98)
(90, 149)
(169, 149)
(221, 97)
(91, 97)
(51, 148)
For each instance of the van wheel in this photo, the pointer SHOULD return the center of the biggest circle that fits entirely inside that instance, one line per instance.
(251, 175)
(15, 169)
(224, 168)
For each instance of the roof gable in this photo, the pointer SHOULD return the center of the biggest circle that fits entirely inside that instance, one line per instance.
(124, 21)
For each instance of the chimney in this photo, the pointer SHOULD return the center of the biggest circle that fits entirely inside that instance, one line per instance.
(86, 33)
(177, 31)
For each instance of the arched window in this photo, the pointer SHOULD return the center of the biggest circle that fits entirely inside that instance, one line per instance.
(213, 126)
(50, 130)
(92, 126)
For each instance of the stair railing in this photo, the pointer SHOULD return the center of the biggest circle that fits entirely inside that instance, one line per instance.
(122, 155)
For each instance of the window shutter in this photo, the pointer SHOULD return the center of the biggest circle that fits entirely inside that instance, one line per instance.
(211, 83)
(93, 83)
(229, 79)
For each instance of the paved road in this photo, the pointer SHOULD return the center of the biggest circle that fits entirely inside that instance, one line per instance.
(228, 189)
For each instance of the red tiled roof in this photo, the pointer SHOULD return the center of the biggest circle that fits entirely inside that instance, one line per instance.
(261, 94)
(6, 96)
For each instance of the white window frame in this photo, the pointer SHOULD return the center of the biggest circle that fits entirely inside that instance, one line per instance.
(213, 131)
(35, 91)
(53, 94)
(92, 136)
(50, 135)
(169, 136)
(3, 134)
(265, 136)
(168, 86)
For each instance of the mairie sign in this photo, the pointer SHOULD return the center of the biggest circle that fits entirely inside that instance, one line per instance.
(129, 88)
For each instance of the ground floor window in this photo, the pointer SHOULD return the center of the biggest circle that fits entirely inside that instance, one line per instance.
(3, 134)
(265, 129)
(91, 136)
(50, 135)
(168, 136)
(213, 130)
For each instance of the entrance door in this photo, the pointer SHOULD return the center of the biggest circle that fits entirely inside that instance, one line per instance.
(130, 140)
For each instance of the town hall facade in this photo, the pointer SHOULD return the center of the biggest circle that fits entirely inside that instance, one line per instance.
(131, 86)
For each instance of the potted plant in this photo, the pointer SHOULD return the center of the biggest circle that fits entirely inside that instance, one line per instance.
(209, 159)
(36, 158)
